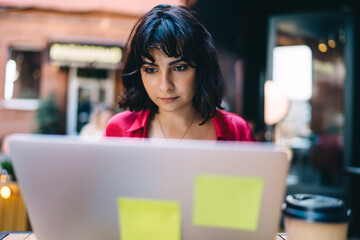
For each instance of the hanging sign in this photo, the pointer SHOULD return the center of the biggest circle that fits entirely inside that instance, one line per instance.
(85, 55)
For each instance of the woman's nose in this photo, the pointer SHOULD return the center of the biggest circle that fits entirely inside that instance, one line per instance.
(166, 83)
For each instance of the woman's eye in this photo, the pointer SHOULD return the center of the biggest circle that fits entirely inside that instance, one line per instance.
(180, 68)
(149, 70)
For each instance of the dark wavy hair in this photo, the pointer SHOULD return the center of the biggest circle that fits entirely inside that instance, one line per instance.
(177, 31)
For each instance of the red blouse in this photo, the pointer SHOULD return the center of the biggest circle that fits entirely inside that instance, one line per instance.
(229, 126)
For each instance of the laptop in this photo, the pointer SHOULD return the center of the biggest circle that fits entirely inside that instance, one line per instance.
(138, 189)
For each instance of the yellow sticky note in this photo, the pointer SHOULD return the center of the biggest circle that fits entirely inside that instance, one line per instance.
(227, 201)
(148, 219)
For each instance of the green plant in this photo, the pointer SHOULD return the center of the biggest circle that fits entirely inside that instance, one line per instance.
(7, 165)
(48, 116)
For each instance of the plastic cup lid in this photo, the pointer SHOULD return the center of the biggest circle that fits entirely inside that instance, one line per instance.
(316, 208)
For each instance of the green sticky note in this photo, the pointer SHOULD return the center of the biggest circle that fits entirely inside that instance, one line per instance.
(227, 201)
(148, 219)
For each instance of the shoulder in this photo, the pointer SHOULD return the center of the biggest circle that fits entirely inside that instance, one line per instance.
(232, 126)
(120, 123)
(126, 117)
(91, 130)
(232, 119)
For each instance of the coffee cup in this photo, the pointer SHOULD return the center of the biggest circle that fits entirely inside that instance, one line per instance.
(308, 216)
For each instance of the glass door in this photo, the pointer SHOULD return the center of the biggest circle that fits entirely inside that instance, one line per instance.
(309, 98)
(88, 89)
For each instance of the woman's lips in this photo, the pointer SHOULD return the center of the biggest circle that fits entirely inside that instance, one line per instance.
(168, 99)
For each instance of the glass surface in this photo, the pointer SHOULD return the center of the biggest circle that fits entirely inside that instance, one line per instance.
(23, 73)
(313, 126)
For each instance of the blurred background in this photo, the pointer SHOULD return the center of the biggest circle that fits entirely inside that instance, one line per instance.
(289, 68)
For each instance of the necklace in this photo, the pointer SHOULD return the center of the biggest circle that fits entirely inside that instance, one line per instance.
(187, 129)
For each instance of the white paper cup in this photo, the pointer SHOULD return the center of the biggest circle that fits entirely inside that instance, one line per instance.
(317, 217)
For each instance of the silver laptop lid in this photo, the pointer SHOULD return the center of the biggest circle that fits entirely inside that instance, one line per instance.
(138, 189)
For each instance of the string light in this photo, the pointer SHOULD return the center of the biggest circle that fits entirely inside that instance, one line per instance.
(331, 43)
(5, 192)
(342, 35)
(322, 47)
(342, 38)
(4, 176)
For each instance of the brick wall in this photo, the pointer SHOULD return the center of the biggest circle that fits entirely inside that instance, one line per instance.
(32, 28)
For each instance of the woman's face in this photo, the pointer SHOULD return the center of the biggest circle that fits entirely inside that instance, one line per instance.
(169, 82)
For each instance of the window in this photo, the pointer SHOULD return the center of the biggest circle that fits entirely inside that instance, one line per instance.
(22, 79)
(309, 63)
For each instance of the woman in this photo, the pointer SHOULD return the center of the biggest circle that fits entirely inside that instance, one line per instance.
(172, 82)
(94, 129)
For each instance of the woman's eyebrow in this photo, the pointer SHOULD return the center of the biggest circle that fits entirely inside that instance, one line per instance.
(170, 63)
(150, 63)
(176, 61)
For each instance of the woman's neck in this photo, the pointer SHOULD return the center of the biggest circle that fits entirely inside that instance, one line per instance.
(175, 124)
(180, 125)
(178, 118)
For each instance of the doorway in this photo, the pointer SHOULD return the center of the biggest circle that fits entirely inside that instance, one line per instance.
(310, 82)
(87, 89)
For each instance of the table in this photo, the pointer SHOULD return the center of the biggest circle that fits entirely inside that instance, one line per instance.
(31, 236)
